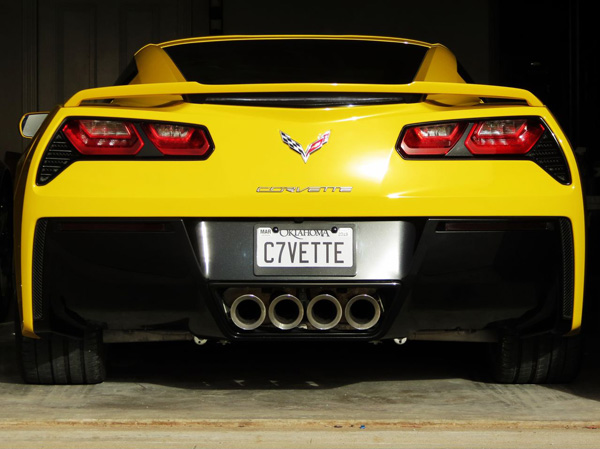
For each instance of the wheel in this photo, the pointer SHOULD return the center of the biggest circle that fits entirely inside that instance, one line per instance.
(55, 359)
(540, 359)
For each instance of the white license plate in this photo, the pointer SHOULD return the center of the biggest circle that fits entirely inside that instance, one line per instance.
(304, 247)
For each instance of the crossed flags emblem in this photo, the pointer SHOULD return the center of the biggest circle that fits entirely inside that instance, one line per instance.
(317, 144)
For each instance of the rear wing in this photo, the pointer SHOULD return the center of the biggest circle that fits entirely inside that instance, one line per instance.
(417, 87)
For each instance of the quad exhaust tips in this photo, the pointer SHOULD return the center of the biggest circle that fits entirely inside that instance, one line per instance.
(362, 312)
(248, 312)
(324, 312)
(286, 312)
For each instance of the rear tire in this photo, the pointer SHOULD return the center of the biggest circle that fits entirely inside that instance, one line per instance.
(536, 360)
(58, 360)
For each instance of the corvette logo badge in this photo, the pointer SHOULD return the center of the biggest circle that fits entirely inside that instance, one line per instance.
(322, 140)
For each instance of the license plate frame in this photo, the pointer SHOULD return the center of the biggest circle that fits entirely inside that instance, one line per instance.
(308, 232)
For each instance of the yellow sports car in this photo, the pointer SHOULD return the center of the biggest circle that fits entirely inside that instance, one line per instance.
(298, 188)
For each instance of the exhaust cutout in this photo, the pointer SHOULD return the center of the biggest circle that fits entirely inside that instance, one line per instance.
(248, 312)
(324, 312)
(362, 312)
(286, 312)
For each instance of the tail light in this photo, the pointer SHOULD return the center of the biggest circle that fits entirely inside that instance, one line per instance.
(177, 140)
(113, 139)
(487, 137)
(513, 136)
(504, 138)
(431, 140)
(103, 137)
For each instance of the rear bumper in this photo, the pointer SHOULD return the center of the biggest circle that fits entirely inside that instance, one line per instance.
(180, 274)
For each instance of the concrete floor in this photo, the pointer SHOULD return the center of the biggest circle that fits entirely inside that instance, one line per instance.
(298, 395)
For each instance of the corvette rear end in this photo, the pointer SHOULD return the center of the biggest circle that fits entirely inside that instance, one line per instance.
(368, 202)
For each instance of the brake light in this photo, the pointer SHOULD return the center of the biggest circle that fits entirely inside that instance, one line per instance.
(178, 140)
(507, 136)
(103, 137)
(431, 140)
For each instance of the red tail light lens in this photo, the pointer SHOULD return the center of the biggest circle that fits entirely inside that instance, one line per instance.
(178, 140)
(431, 140)
(103, 137)
(510, 136)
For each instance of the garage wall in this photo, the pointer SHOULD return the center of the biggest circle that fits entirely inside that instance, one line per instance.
(88, 43)
(11, 74)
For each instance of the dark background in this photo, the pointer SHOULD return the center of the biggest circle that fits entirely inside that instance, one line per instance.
(53, 48)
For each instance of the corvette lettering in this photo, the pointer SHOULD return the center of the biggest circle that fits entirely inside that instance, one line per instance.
(313, 189)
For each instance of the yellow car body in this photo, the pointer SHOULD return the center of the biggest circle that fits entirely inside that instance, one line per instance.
(252, 175)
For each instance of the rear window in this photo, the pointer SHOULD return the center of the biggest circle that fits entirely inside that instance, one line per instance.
(298, 61)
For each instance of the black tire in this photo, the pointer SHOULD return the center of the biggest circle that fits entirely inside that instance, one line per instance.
(543, 359)
(58, 360)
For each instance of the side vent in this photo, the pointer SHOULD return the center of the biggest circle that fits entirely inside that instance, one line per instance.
(548, 155)
(60, 155)
(568, 280)
(38, 268)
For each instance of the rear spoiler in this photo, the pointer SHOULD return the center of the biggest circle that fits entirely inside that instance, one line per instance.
(417, 87)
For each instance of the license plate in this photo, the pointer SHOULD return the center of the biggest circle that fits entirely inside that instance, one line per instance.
(308, 249)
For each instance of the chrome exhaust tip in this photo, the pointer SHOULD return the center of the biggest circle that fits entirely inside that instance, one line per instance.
(324, 312)
(248, 312)
(286, 312)
(362, 312)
